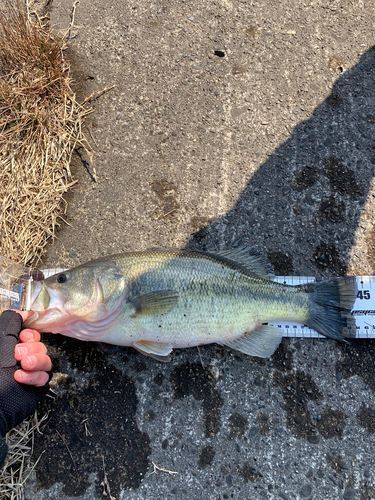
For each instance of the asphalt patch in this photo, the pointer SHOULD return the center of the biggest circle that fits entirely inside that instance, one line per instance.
(192, 379)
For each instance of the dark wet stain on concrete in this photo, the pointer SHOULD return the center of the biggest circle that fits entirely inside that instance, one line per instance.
(166, 191)
(199, 223)
(298, 388)
(150, 416)
(358, 358)
(237, 425)
(158, 379)
(281, 263)
(334, 101)
(336, 63)
(366, 418)
(199, 382)
(305, 178)
(251, 31)
(331, 209)
(238, 70)
(332, 423)
(282, 359)
(81, 355)
(206, 457)
(89, 425)
(336, 462)
(265, 423)
(341, 178)
(249, 473)
(327, 257)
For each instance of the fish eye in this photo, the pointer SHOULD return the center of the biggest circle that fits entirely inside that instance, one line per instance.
(61, 278)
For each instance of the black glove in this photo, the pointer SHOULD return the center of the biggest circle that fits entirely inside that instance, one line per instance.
(17, 401)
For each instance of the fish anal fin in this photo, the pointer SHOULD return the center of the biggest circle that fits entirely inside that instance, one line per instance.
(154, 303)
(156, 350)
(261, 342)
(248, 260)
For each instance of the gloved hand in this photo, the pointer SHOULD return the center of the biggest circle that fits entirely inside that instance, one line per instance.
(17, 400)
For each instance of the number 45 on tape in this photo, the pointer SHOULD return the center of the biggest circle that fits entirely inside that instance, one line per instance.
(363, 310)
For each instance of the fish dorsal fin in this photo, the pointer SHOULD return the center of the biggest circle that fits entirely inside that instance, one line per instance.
(159, 302)
(156, 350)
(261, 342)
(248, 260)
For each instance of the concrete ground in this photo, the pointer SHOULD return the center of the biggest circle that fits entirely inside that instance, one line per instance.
(231, 122)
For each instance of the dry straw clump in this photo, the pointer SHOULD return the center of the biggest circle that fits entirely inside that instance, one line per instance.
(18, 467)
(40, 126)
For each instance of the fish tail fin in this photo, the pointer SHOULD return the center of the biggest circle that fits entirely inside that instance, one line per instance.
(330, 307)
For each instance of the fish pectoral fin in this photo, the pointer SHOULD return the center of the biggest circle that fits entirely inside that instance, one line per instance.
(154, 303)
(157, 350)
(261, 342)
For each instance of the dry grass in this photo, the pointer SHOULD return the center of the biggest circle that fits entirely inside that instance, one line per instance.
(40, 126)
(18, 466)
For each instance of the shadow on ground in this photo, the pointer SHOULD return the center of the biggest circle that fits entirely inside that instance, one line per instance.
(306, 199)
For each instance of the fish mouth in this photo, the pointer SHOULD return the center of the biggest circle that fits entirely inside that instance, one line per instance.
(46, 306)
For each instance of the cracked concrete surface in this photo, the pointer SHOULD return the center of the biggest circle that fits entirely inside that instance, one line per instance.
(231, 122)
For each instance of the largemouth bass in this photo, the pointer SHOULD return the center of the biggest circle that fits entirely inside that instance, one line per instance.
(158, 300)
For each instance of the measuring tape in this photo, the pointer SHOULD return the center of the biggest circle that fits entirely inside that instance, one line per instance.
(363, 310)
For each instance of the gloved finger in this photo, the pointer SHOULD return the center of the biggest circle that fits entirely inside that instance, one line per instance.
(10, 323)
(24, 314)
(28, 348)
(10, 327)
(38, 379)
(36, 362)
(29, 335)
